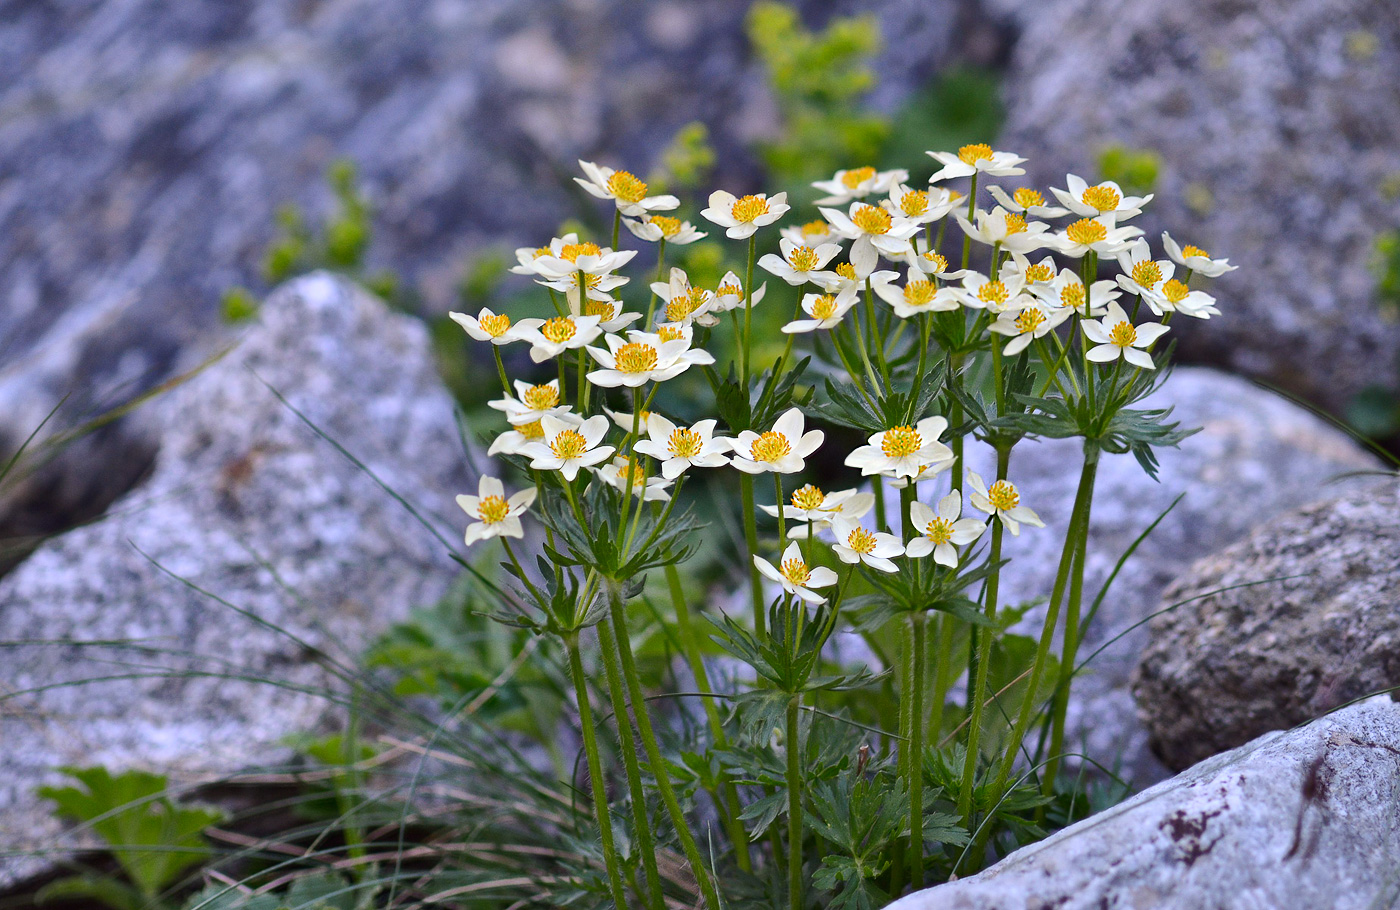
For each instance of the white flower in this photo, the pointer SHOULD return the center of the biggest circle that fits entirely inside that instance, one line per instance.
(559, 334)
(1176, 297)
(625, 189)
(641, 358)
(874, 231)
(514, 440)
(624, 421)
(743, 215)
(683, 303)
(854, 544)
(534, 402)
(973, 159)
(614, 474)
(1097, 234)
(1006, 228)
(795, 576)
(921, 206)
(798, 264)
(525, 257)
(495, 515)
(1106, 199)
(1141, 273)
(1026, 201)
(846, 276)
(1067, 290)
(611, 316)
(1030, 323)
(598, 285)
(730, 294)
(904, 451)
(857, 183)
(1196, 259)
(813, 233)
(1000, 296)
(933, 263)
(1115, 335)
(826, 311)
(567, 446)
(919, 295)
(781, 449)
(1030, 273)
(817, 510)
(1004, 502)
(494, 327)
(678, 448)
(663, 227)
(943, 532)
(566, 259)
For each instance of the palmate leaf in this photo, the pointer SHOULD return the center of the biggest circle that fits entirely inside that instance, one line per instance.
(768, 396)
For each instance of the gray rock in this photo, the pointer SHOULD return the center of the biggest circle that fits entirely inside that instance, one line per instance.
(246, 502)
(1275, 123)
(1227, 666)
(1300, 819)
(1257, 455)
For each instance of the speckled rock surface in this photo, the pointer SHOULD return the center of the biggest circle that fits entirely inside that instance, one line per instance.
(1308, 818)
(1275, 123)
(1228, 666)
(1257, 455)
(246, 502)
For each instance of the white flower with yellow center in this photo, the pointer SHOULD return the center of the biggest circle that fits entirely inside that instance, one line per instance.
(1115, 336)
(796, 577)
(1098, 235)
(1000, 296)
(1104, 200)
(1175, 297)
(933, 263)
(857, 183)
(1030, 273)
(730, 294)
(614, 474)
(514, 440)
(568, 259)
(663, 227)
(846, 276)
(904, 451)
(1067, 291)
(525, 257)
(978, 158)
(598, 285)
(1196, 259)
(495, 515)
(921, 206)
(799, 264)
(1003, 501)
(812, 234)
(814, 511)
(680, 448)
(494, 327)
(855, 544)
(1141, 273)
(782, 450)
(641, 358)
(623, 421)
(682, 302)
(917, 295)
(568, 446)
(1026, 201)
(826, 311)
(624, 188)
(612, 317)
(942, 532)
(1008, 229)
(741, 216)
(1032, 322)
(532, 403)
(553, 337)
(875, 232)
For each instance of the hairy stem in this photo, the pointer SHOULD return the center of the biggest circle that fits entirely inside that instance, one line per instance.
(595, 773)
(794, 794)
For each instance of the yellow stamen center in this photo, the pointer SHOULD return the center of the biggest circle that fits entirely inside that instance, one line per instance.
(1039, 272)
(802, 259)
(1073, 296)
(729, 290)
(636, 357)
(1147, 273)
(682, 306)
(1086, 230)
(531, 430)
(1103, 198)
(1026, 197)
(1123, 334)
(770, 447)
(872, 219)
(543, 251)
(1175, 291)
(992, 292)
(639, 476)
(541, 397)
(571, 251)
(492, 509)
(747, 208)
(669, 226)
(1189, 250)
(795, 571)
(808, 497)
(971, 154)
(940, 262)
(496, 325)
(1029, 320)
(899, 442)
(626, 186)
(684, 443)
(824, 307)
(856, 176)
(919, 293)
(861, 540)
(1015, 224)
(940, 530)
(601, 308)
(914, 203)
(1003, 496)
(569, 444)
(816, 229)
(559, 329)
(670, 332)
(847, 271)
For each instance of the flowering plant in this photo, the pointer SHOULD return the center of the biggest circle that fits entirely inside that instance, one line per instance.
(913, 357)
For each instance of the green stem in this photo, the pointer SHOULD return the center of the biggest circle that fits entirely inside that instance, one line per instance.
(660, 274)
(595, 773)
(794, 793)
(748, 313)
(942, 678)
(916, 754)
(501, 370)
(751, 541)
(778, 491)
(617, 224)
(967, 239)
